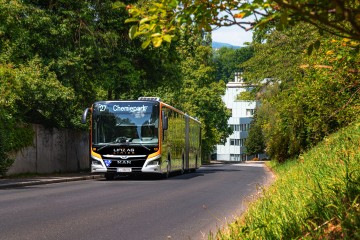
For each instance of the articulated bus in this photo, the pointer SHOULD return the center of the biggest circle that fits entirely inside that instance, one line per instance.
(142, 136)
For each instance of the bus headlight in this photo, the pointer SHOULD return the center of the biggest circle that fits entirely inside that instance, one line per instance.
(154, 163)
(96, 162)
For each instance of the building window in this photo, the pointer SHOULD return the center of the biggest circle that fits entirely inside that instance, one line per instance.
(234, 157)
(250, 112)
(242, 142)
(235, 142)
(244, 127)
(234, 127)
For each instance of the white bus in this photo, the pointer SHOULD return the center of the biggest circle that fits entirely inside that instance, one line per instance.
(142, 136)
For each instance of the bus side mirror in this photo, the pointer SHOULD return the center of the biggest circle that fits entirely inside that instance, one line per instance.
(84, 115)
(165, 121)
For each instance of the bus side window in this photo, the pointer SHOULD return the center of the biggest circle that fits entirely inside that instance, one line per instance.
(165, 121)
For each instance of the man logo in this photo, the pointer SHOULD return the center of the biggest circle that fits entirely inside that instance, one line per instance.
(124, 162)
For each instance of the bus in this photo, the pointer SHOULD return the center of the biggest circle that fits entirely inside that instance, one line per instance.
(144, 136)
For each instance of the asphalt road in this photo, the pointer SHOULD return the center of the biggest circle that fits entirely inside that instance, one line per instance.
(188, 206)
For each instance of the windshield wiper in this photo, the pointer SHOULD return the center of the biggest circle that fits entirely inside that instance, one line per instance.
(109, 144)
(130, 143)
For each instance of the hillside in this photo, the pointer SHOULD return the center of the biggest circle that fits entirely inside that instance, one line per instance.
(217, 45)
(316, 196)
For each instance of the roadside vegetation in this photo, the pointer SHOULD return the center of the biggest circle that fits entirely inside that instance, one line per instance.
(315, 196)
(306, 96)
(57, 58)
(308, 120)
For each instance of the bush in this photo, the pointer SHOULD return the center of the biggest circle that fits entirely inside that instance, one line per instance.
(13, 136)
(5, 163)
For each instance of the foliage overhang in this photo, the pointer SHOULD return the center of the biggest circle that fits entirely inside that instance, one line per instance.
(159, 21)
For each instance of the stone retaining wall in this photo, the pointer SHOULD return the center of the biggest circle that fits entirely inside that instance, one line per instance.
(53, 150)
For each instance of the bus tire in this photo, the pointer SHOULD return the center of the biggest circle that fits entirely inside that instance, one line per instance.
(109, 176)
(168, 169)
(182, 170)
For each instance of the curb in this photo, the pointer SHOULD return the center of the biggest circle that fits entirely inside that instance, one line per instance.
(14, 183)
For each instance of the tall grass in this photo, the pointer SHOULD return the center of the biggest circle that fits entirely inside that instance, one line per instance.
(316, 196)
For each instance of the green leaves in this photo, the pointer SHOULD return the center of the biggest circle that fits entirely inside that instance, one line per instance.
(118, 4)
(133, 32)
(228, 62)
(255, 142)
(200, 93)
(171, 16)
(309, 95)
(153, 22)
(42, 94)
(56, 59)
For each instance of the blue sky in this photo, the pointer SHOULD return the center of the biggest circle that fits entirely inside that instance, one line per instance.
(233, 35)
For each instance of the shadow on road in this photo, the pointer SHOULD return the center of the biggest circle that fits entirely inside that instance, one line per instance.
(208, 169)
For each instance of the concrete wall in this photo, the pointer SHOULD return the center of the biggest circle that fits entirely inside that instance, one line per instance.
(53, 150)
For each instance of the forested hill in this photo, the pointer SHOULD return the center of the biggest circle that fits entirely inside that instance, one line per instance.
(217, 45)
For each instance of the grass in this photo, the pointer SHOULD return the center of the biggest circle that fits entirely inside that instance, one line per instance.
(316, 196)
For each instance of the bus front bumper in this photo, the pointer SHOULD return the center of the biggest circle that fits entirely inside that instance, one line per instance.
(150, 166)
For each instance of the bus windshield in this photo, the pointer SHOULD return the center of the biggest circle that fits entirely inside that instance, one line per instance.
(125, 122)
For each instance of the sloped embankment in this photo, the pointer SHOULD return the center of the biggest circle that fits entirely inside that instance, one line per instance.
(316, 196)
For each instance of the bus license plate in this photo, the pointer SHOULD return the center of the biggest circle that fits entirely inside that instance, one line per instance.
(124, 170)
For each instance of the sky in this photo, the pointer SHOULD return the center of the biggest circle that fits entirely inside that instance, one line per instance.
(233, 35)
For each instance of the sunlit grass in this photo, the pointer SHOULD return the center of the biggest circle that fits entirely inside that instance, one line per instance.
(316, 196)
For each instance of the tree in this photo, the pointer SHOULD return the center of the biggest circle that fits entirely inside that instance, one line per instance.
(158, 21)
(255, 143)
(14, 134)
(228, 61)
(200, 94)
(337, 17)
(58, 57)
(93, 58)
(310, 98)
(280, 58)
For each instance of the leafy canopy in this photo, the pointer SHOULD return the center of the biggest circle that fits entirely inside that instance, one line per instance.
(307, 97)
(159, 21)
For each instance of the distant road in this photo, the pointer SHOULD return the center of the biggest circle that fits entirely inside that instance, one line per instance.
(188, 206)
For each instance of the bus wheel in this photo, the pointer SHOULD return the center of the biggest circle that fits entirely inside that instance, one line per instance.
(109, 176)
(182, 170)
(168, 169)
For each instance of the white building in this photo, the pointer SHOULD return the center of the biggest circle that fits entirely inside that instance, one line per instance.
(241, 117)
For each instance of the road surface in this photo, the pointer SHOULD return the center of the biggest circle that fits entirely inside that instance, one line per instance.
(188, 206)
